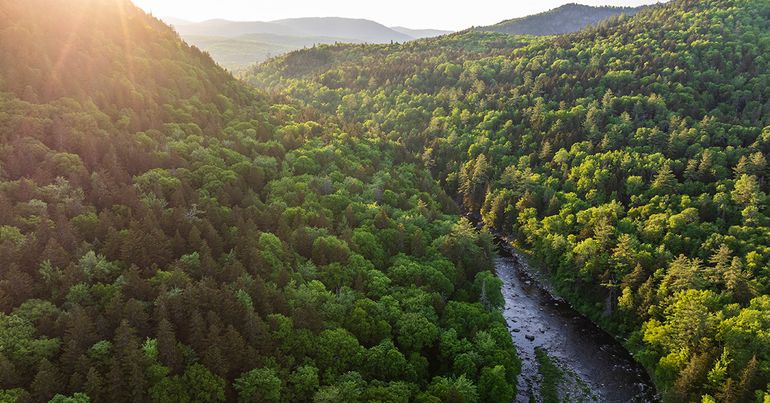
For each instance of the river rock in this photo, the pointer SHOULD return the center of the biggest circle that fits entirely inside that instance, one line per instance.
(530, 337)
(516, 330)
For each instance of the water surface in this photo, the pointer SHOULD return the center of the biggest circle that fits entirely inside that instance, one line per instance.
(596, 367)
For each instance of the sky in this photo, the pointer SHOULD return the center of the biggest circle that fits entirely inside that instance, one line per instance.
(437, 14)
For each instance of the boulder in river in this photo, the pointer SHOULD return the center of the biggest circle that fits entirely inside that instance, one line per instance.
(530, 337)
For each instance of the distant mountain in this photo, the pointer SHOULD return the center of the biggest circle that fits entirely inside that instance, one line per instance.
(357, 29)
(363, 30)
(421, 33)
(225, 28)
(175, 21)
(565, 19)
(239, 52)
(238, 44)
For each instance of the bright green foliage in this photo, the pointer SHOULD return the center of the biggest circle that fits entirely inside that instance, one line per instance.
(493, 385)
(202, 385)
(260, 385)
(459, 390)
(630, 159)
(304, 382)
(75, 398)
(20, 348)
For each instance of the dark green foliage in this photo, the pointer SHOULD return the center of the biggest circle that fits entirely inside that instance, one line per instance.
(168, 234)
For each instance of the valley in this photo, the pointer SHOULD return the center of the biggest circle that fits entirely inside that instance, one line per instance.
(299, 231)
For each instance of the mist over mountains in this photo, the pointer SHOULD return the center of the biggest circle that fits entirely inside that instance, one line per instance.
(238, 44)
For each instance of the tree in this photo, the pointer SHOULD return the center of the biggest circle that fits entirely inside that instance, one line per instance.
(202, 385)
(691, 378)
(489, 289)
(304, 382)
(128, 362)
(385, 362)
(338, 351)
(330, 249)
(746, 191)
(493, 385)
(461, 390)
(415, 332)
(689, 322)
(47, 382)
(167, 345)
(259, 385)
(665, 182)
(22, 349)
(743, 333)
(75, 398)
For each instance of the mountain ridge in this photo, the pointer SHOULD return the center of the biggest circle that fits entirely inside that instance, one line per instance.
(567, 18)
(421, 33)
(353, 28)
(238, 44)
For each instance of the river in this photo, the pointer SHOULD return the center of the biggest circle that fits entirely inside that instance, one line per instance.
(595, 366)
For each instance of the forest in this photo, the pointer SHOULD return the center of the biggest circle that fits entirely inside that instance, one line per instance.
(170, 233)
(629, 159)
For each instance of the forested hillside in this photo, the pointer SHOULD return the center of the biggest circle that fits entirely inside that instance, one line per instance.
(168, 235)
(629, 159)
(561, 20)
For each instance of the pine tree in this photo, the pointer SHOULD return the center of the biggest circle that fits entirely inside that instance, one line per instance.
(665, 182)
(94, 386)
(167, 346)
(47, 383)
(126, 378)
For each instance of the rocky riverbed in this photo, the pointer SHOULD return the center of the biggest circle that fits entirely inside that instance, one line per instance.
(594, 366)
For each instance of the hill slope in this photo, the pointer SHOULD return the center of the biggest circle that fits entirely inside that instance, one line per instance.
(565, 19)
(141, 65)
(630, 159)
(167, 234)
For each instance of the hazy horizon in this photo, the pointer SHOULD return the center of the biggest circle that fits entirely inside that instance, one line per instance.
(429, 14)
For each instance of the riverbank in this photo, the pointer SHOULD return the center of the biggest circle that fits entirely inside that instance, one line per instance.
(593, 366)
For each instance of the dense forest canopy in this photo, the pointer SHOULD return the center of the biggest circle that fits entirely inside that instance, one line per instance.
(167, 234)
(629, 159)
